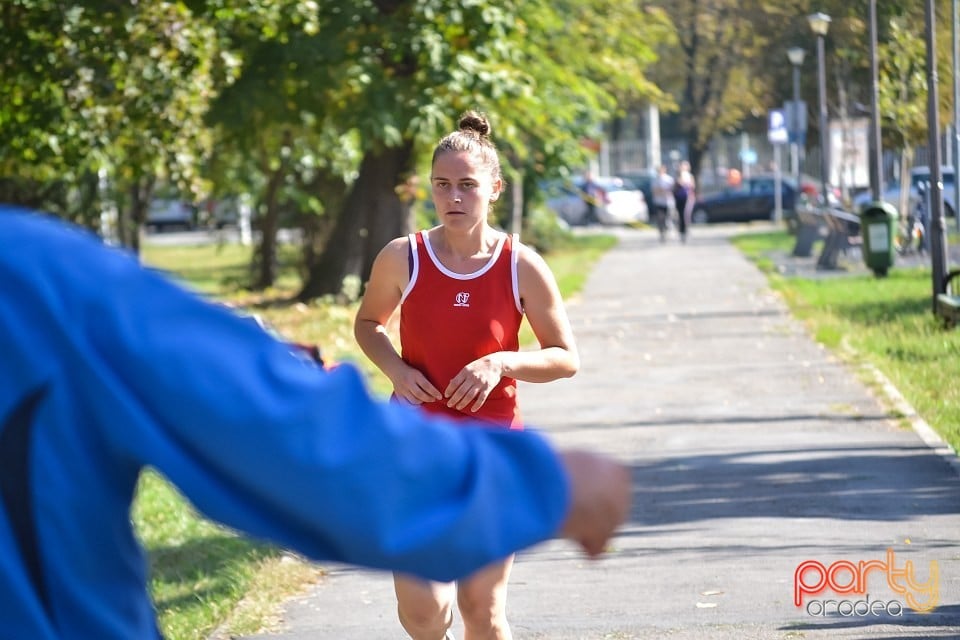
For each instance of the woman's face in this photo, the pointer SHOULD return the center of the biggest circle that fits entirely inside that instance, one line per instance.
(462, 188)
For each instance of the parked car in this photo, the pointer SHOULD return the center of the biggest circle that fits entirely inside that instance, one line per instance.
(918, 175)
(643, 180)
(619, 201)
(166, 213)
(752, 200)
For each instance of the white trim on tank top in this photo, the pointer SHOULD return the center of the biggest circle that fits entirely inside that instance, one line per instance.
(464, 276)
(415, 266)
(514, 275)
(415, 270)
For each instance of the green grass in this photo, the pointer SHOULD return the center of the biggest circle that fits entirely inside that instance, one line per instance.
(208, 580)
(886, 322)
(200, 572)
(221, 270)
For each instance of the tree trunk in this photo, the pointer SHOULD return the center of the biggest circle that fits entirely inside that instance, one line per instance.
(372, 215)
(330, 189)
(134, 216)
(265, 258)
(264, 265)
(697, 152)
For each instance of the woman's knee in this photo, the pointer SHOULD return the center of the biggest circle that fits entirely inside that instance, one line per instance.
(482, 604)
(425, 610)
(422, 625)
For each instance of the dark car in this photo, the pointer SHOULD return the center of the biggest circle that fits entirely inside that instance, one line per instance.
(752, 200)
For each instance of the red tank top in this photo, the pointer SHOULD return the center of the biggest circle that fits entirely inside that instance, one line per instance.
(448, 320)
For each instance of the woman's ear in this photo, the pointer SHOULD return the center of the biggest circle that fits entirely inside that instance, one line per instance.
(495, 192)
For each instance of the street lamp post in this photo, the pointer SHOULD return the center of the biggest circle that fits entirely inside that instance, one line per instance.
(795, 55)
(956, 110)
(875, 146)
(937, 233)
(820, 24)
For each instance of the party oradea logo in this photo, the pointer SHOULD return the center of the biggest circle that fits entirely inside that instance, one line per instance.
(813, 581)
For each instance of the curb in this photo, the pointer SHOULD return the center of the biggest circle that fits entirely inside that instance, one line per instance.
(930, 437)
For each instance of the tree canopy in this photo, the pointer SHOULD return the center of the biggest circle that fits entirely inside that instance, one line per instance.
(100, 88)
(327, 105)
(326, 109)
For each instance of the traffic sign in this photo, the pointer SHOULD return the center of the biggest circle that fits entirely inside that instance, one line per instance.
(777, 131)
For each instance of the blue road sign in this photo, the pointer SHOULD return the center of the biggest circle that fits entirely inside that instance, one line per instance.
(777, 131)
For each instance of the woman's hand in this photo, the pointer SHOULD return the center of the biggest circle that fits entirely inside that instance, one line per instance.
(411, 386)
(472, 386)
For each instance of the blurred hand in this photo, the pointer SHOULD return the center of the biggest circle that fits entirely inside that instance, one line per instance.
(600, 491)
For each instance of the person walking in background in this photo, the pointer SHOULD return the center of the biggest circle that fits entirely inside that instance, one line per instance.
(663, 199)
(109, 367)
(592, 195)
(684, 194)
(463, 288)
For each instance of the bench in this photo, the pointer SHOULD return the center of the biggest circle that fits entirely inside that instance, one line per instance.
(843, 233)
(948, 301)
(811, 227)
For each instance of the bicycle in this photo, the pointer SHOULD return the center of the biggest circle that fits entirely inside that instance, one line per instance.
(911, 235)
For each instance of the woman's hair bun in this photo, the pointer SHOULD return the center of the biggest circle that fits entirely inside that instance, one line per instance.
(473, 121)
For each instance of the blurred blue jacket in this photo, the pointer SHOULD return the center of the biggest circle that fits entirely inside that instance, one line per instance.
(107, 367)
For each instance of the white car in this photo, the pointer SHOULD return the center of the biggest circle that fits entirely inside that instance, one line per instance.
(164, 212)
(918, 175)
(618, 201)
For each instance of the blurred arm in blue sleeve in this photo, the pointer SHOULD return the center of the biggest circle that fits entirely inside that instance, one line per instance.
(107, 367)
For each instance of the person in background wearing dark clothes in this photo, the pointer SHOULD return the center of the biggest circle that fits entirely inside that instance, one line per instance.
(684, 194)
(663, 200)
(591, 196)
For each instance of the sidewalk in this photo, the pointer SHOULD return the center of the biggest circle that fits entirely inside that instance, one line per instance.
(753, 450)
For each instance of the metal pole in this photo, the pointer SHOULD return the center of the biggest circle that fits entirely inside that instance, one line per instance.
(956, 117)
(795, 125)
(745, 155)
(777, 186)
(876, 150)
(824, 138)
(938, 234)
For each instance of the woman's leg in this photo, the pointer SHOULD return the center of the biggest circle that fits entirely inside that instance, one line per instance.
(682, 217)
(661, 215)
(483, 602)
(425, 608)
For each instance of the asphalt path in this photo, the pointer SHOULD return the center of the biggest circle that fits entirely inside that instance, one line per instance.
(753, 451)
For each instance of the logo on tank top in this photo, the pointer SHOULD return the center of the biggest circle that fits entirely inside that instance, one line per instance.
(462, 299)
